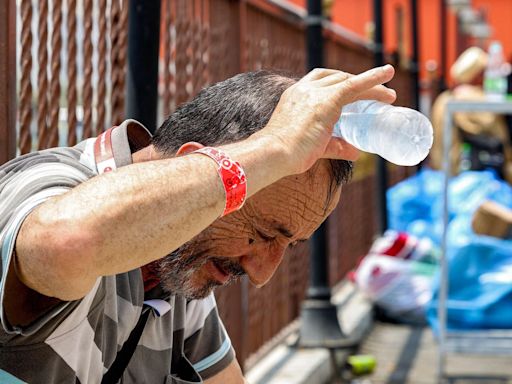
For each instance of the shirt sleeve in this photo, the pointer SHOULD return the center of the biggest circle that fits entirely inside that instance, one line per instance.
(20, 193)
(207, 344)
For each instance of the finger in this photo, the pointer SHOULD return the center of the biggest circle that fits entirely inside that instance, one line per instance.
(339, 149)
(333, 78)
(351, 88)
(379, 93)
(319, 73)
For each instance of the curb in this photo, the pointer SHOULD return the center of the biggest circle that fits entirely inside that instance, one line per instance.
(285, 364)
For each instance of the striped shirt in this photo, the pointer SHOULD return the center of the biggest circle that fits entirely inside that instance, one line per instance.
(76, 342)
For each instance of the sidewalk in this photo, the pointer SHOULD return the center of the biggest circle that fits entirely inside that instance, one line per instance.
(404, 354)
(285, 364)
(408, 355)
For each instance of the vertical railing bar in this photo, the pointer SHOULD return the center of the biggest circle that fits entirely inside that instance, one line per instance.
(244, 41)
(166, 47)
(197, 67)
(102, 66)
(42, 76)
(95, 39)
(72, 72)
(87, 100)
(205, 55)
(25, 108)
(172, 69)
(110, 66)
(118, 54)
(115, 23)
(143, 60)
(190, 48)
(181, 93)
(7, 80)
(55, 88)
(122, 61)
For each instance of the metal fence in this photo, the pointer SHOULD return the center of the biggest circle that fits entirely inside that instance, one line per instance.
(70, 74)
(71, 69)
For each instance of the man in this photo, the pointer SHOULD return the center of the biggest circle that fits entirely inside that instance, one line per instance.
(85, 231)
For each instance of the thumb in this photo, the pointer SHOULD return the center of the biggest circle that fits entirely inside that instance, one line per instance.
(339, 149)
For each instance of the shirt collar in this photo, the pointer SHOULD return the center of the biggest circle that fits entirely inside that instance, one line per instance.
(127, 138)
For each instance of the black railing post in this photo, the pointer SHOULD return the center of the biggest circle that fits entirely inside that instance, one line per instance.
(143, 50)
(319, 320)
(382, 170)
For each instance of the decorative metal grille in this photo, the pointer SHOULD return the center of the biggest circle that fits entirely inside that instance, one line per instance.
(74, 86)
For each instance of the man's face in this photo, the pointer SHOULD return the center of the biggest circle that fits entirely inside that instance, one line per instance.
(252, 240)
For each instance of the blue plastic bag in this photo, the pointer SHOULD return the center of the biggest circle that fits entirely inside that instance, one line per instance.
(415, 205)
(469, 189)
(480, 286)
(480, 267)
(411, 205)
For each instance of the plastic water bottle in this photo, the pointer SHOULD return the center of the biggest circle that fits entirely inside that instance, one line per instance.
(495, 75)
(400, 135)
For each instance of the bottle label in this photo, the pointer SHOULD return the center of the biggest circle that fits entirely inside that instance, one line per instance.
(495, 85)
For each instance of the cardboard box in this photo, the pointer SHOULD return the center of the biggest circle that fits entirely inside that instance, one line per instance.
(493, 219)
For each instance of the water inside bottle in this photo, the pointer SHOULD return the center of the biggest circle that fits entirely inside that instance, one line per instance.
(400, 135)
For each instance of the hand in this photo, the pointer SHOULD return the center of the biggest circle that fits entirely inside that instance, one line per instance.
(307, 111)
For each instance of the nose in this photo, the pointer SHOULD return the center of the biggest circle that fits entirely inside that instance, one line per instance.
(263, 260)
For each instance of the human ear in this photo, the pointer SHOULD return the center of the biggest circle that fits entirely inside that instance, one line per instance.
(189, 147)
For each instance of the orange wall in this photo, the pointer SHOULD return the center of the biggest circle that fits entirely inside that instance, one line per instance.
(355, 18)
(346, 13)
(499, 16)
(356, 15)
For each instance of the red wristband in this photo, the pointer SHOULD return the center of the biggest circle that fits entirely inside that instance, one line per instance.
(232, 176)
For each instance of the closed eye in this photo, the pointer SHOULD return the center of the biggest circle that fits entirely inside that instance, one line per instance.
(264, 236)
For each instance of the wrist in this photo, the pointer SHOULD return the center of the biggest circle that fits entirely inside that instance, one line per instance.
(232, 176)
(264, 159)
(279, 153)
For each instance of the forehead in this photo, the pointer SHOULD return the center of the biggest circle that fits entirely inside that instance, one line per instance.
(297, 204)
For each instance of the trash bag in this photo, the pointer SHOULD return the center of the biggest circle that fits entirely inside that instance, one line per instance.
(397, 274)
(400, 288)
(480, 286)
(411, 200)
(415, 205)
(467, 191)
(405, 246)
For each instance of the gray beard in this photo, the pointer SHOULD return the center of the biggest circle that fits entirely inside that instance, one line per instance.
(177, 269)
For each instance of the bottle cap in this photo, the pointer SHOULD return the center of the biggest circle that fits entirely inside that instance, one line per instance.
(361, 364)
